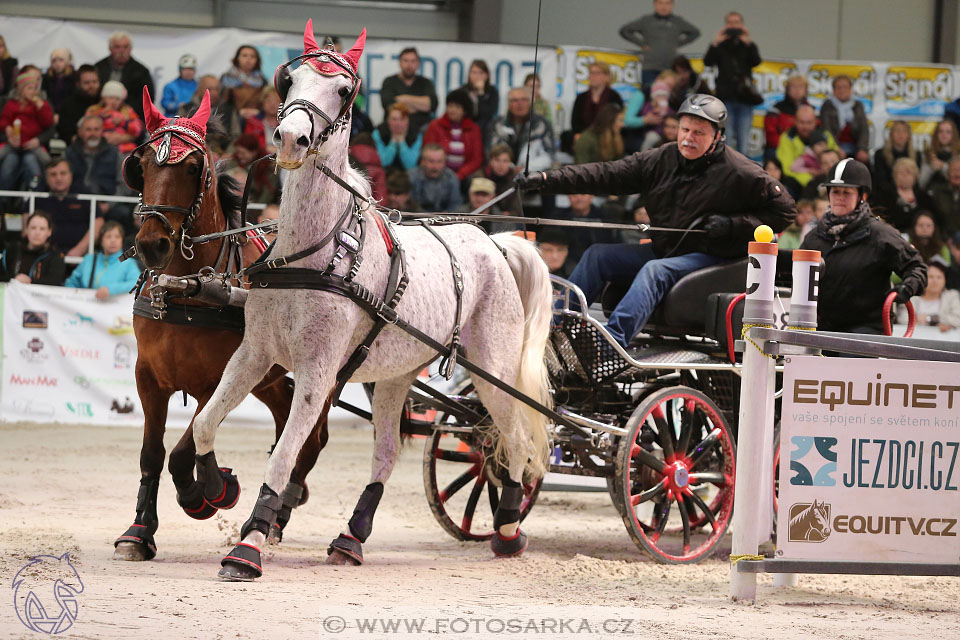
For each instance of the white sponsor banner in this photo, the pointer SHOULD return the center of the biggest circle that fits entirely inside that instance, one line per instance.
(68, 357)
(870, 460)
(445, 63)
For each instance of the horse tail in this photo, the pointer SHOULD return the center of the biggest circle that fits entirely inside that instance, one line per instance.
(533, 282)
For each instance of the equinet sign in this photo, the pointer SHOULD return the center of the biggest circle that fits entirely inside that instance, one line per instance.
(815, 522)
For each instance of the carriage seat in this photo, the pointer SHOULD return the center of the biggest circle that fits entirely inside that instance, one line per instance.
(684, 309)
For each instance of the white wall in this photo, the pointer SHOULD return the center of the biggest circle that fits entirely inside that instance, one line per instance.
(878, 30)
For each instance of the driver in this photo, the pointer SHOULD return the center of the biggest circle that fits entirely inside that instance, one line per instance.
(696, 182)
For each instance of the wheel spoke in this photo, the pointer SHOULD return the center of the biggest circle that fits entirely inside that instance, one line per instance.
(662, 518)
(494, 498)
(685, 519)
(646, 458)
(649, 494)
(718, 478)
(697, 500)
(705, 446)
(471, 507)
(664, 432)
(460, 482)
(458, 456)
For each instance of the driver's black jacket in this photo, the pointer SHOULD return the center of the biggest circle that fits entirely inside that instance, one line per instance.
(679, 193)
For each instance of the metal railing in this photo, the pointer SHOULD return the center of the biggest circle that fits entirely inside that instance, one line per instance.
(93, 199)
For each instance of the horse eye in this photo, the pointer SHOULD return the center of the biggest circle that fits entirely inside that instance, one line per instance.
(343, 92)
(193, 169)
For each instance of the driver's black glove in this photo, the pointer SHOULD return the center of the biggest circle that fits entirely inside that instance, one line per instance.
(718, 227)
(530, 181)
(903, 294)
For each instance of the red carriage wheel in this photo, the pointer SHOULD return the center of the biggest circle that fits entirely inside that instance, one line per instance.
(676, 469)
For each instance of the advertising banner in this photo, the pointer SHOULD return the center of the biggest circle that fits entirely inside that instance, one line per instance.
(870, 461)
(68, 357)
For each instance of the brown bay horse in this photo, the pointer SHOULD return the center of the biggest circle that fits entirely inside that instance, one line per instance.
(188, 350)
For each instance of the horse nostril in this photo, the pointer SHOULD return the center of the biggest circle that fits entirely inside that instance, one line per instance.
(276, 137)
(303, 141)
(163, 246)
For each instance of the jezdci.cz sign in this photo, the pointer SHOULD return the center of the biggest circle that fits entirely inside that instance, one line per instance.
(870, 460)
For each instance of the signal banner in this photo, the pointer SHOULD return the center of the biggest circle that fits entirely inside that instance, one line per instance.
(820, 77)
(912, 91)
(870, 461)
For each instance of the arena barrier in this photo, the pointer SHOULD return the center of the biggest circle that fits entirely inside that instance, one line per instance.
(68, 357)
(847, 502)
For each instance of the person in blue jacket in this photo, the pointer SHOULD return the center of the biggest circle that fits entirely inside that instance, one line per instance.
(180, 91)
(103, 270)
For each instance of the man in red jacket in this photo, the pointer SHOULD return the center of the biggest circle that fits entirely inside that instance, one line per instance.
(458, 134)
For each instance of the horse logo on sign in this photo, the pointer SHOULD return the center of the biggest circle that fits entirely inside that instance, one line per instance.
(45, 594)
(809, 522)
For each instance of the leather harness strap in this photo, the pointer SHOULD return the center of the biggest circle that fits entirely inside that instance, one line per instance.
(227, 318)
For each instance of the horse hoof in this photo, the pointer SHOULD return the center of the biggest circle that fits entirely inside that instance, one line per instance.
(237, 573)
(242, 564)
(231, 491)
(341, 559)
(275, 536)
(131, 552)
(508, 547)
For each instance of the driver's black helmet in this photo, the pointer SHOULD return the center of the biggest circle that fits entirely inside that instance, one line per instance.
(849, 173)
(707, 107)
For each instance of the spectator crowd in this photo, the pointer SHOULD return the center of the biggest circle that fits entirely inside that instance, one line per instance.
(65, 128)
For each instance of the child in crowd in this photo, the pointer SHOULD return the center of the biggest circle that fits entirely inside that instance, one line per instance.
(24, 117)
(180, 91)
(121, 124)
(793, 235)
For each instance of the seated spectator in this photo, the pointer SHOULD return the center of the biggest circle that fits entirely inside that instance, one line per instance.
(688, 83)
(433, 185)
(792, 236)
(70, 216)
(899, 205)
(796, 140)
(179, 91)
(944, 147)
(520, 129)
(582, 208)
(241, 85)
(844, 117)
(121, 126)
(60, 79)
(398, 193)
(397, 146)
(826, 159)
(656, 110)
(458, 135)
(230, 120)
(899, 144)
(946, 199)
(635, 122)
(8, 69)
(32, 258)
(93, 160)
(481, 192)
(484, 96)
(555, 251)
(540, 105)
(937, 306)
(809, 160)
(24, 118)
(264, 182)
(781, 116)
(119, 66)
(925, 237)
(602, 140)
(671, 127)
(103, 270)
(499, 168)
(363, 156)
(411, 90)
(264, 124)
(587, 105)
(775, 170)
(85, 94)
(953, 271)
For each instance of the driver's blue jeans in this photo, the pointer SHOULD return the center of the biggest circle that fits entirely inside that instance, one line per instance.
(652, 279)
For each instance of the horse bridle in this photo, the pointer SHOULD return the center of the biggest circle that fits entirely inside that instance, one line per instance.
(146, 211)
(282, 83)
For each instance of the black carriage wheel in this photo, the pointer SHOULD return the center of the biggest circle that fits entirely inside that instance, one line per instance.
(676, 469)
(456, 474)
